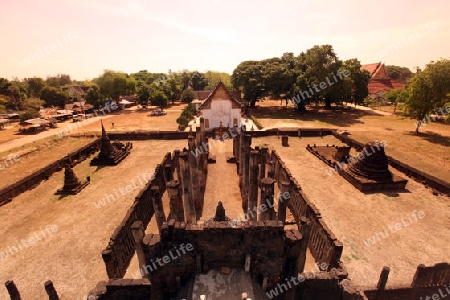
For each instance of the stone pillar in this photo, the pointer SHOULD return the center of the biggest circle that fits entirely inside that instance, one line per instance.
(293, 242)
(305, 230)
(283, 200)
(50, 289)
(241, 159)
(188, 200)
(193, 169)
(262, 166)
(168, 173)
(137, 229)
(12, 290)
(267, 206)
(235, 136)
(253, 182)
(245, 170)
(271, 169)
(382, 282)
(176, 163)
(176, 202)
(285, 141)
(157, 206)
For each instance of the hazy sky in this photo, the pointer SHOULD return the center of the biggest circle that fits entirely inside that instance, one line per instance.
(84, 37)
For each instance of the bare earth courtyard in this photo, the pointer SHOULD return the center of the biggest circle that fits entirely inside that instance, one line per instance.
(74, 230)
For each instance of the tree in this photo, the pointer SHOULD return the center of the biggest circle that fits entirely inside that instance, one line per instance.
(159, 99)
(171, 89)
(92, 96)
(248, 78)
(59, 80)
(429, 90)
(213, 77)
(322, 63)
(187, 96)
(143, 94)
(16, 98)
(35, 86)
(198, 81)
(359, 80)
(115, 84)
(54, 96)
(400, 74)
(397, 96)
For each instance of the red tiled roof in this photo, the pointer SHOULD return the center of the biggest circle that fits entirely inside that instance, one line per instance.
(372, 68)
(378, 85)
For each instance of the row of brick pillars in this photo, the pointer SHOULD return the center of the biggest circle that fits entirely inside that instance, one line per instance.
(187, 194)
(252, 165)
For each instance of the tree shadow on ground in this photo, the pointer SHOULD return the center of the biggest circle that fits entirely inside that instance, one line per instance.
(337, 116)
(432, 137)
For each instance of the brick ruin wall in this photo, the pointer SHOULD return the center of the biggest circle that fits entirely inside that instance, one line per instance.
(216, 245)
(121, 248)
(323, 244)
(34, 179)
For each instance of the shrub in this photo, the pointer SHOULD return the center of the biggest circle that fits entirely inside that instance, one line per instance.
(28, 114)
(256, 122)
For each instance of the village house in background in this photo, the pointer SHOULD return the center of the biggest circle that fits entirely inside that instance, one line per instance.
(380, 82)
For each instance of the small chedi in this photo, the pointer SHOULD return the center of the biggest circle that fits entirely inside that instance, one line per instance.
(371, 171)
(111, 154)
(72, 185)
(367, 171)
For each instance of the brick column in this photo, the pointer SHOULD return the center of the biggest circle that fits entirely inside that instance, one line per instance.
(245, 170)
(253, 182)
(157, 206)
(283, 200)
(271, 169)
(188, 200)
(193, 169)
(137, 229)
(263, 161)
(267, 206)
(12, 290)
(176, 162)
(176, 202)
(50, 289)
(305, 230)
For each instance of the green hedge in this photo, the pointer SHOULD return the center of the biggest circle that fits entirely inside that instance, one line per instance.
(256, 122)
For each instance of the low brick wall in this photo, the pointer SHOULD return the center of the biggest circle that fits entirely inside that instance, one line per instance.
(34, 179)
(182, 135)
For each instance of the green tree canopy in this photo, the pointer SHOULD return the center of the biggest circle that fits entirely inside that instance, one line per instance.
(187, 96)
(115, 84)
(400, 74)
(92, 96)
(54, 96)
(59, 80)
(159, 99)
(428, 90)
(35, 86)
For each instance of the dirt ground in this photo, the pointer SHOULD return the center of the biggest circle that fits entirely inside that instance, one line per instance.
(427, 151)
(70, 255)
(355, 217)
